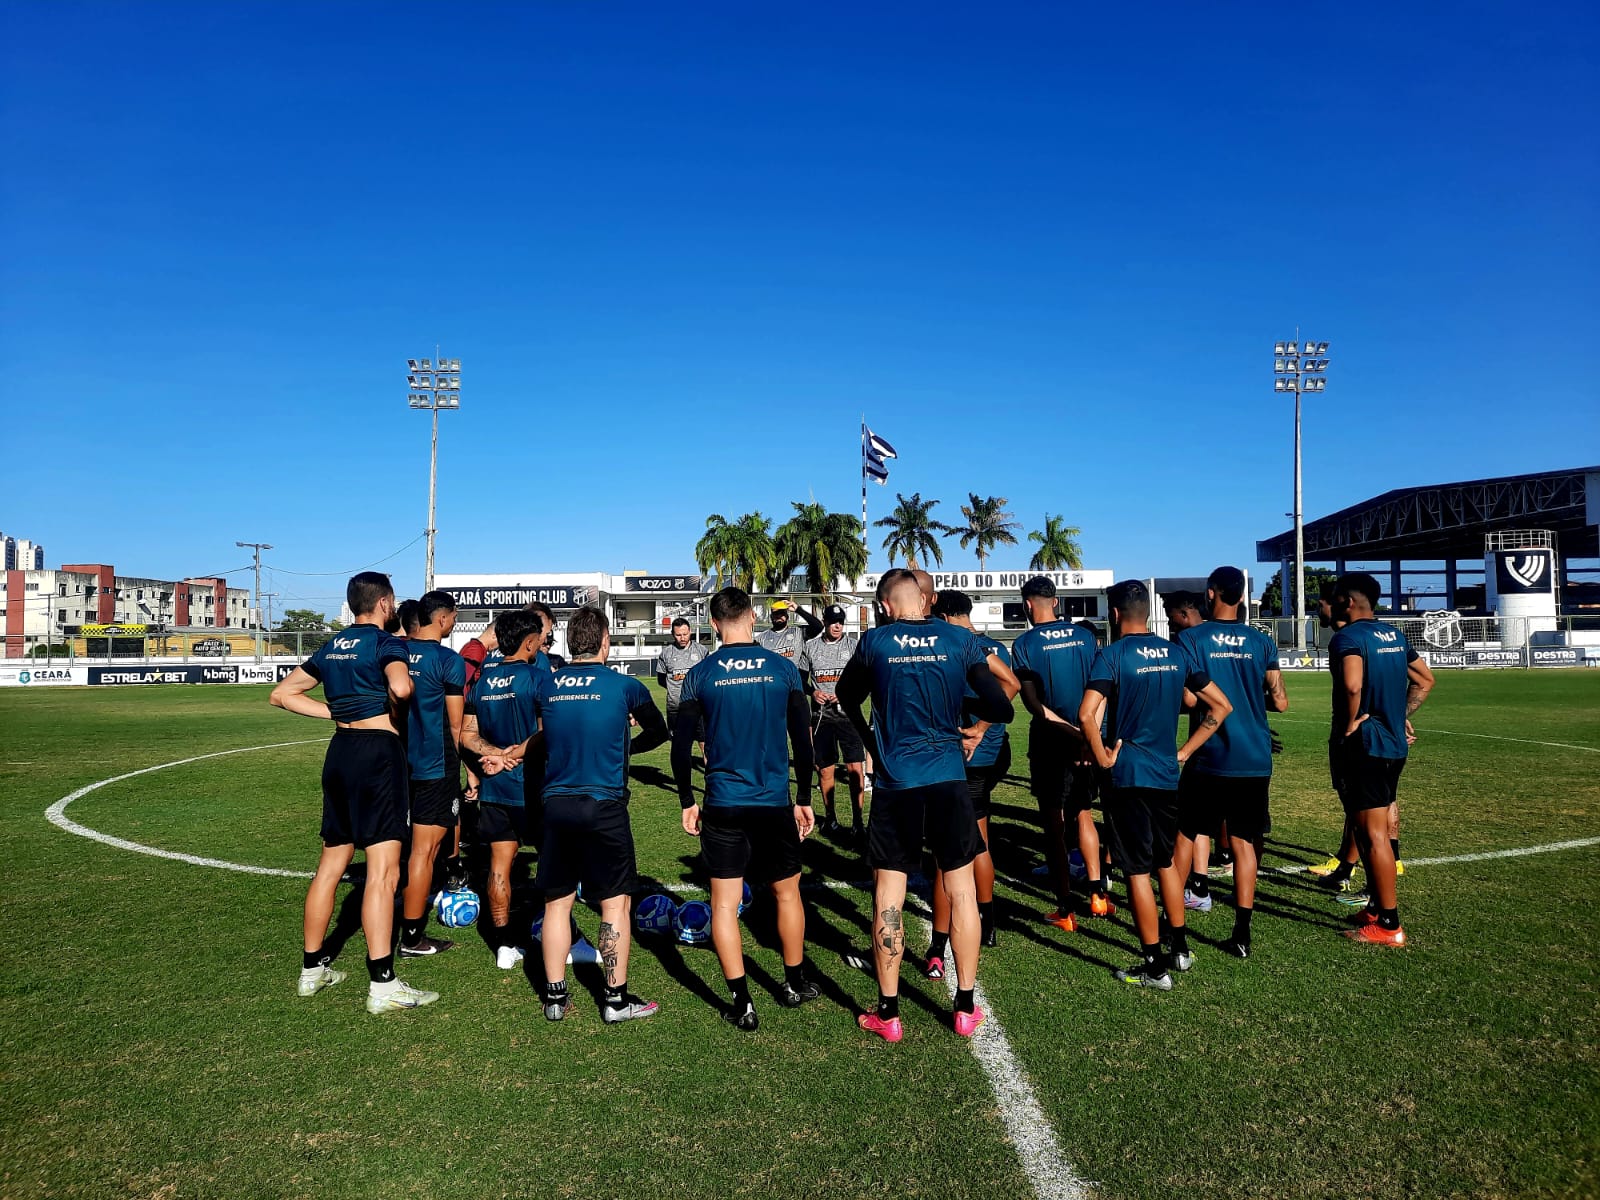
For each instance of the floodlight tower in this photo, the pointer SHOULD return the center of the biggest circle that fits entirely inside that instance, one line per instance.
(1298, 367)
(434, 383)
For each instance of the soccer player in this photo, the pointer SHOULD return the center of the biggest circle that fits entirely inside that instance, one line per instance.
(821, 663)
(917, 673)
(1229, 777)
(478, 651)
(787, 638)
(364, 677)
(672, 664)
(1052, 661)
(1185, 610)
(989, 747)
(433, 733)
(504, 717)
(584, 708)
(753, 706)
(1141, 680)
(1378, 682)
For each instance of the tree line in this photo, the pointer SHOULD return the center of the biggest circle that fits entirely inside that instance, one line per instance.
(747, 552)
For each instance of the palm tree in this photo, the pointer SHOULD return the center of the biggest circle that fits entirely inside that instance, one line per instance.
(912, 531)
(737, 552)
(826, 544)
(1058, 546)
(988, 524)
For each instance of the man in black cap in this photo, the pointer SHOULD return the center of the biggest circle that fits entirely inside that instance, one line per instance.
(821, 663)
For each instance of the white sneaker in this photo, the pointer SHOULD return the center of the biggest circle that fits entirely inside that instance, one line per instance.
(312, 982)
(507, 957)
(584, 953)
(399, 997)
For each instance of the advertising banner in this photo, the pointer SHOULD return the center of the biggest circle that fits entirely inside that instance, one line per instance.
(1556, 656)
(47, 676)
(500, 597)
(662, 583)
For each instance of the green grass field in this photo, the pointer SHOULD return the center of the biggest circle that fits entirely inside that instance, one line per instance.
(154, 1045)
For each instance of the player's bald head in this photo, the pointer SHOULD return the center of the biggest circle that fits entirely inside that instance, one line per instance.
(925, 582)
(904, 598)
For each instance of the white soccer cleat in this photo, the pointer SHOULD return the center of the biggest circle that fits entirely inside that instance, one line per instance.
(312, 982)
(401, 996)
(507, 957)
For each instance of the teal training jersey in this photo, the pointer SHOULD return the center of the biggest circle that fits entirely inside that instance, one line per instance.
(1385, 680)
(1058, 656)
(919, 681)
(436, 672)
(1237, 657)
(504, 701)
(585, 709)
(744, 694)
(1143, 678)
(988, 751)
(350, 665)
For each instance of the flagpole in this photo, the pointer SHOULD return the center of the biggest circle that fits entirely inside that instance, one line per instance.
(865, 551)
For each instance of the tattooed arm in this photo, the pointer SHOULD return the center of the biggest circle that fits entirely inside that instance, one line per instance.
(1217, 710)
(1419, 682)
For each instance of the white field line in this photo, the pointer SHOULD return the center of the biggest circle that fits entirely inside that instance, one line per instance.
(1048, 1172)
(1492, 737)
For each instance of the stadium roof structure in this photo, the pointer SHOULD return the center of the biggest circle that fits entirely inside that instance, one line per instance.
(1450, 520)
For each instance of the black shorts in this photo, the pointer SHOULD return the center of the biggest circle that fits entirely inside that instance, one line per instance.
(1335, 775)
(938, 815)
(1368, 782)
(981, 781)
(505, 823)
(589, 842)
(364, 798)
(1206, 801)
(1056, 778)
(699, 725)
(1144, 826)
(436, 802)
(834, 739)
(757, 843)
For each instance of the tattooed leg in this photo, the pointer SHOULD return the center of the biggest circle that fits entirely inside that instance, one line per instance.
(501, 856)
(614, 940)
(888, 929)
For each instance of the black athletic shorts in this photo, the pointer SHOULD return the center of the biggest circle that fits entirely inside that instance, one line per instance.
(757, 843)
(938, 815)
(1144, 826)
(1368, 782)
(364, 799)
(1056, 778)
(834, 739)
(436, 801)
(981, 781)
(589, 842)
(505, 823)
(1206, 801)
(699, 725)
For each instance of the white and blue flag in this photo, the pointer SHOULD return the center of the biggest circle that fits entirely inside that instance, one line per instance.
(874, 452)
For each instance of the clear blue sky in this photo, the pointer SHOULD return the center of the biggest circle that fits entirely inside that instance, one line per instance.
(1046, 248)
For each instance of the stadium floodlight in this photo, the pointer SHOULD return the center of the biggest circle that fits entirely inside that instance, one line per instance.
(435, 383)
(1292, 363)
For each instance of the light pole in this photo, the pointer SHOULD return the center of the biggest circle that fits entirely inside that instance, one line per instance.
(258, 547)
(434, 384)
(1299, 370)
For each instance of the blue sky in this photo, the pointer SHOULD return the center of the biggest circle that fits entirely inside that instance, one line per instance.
(680, 249)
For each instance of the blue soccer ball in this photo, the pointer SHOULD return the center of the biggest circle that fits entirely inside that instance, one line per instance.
(538, 927)
(744, 900)
(693, 923)
(457, 909)
(657, 914)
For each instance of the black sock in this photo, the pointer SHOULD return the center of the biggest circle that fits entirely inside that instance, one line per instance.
(499, 935)
(1340, 873)
(1199, 885)
(381, 970)
(740, 988)
(795, 976)
(1153, 962)
(964, 1001)
(888, 1007)
(1389, 918)
(1394, 845)
(411, 931)
(615, 995)
(1241, 923)
(1099, 886)
(1180, 940)
(555, 993)
(939, 944)
(986, 914)
(315, 958)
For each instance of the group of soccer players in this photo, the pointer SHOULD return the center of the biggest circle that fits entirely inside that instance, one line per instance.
(548, 743)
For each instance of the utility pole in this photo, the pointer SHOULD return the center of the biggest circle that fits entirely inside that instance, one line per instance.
(1299, 371)
(433, 384)
(258, 547)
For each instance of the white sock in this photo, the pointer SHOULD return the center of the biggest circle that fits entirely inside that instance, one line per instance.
(382, 989)
(311, 972)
